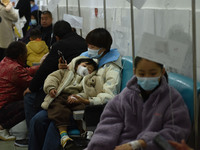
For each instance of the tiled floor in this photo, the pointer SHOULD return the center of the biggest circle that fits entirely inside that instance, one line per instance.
(9, 145)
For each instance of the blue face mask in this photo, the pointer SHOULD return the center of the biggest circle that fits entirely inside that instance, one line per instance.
(94, 53)
(148, 83)
(33, 22)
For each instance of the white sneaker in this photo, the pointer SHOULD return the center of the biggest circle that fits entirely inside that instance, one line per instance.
(5, 136)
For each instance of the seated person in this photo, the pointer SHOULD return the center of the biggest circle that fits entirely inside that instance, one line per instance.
(14, 79)
(43, 133)
(59, 87)
(37, 48)
(148, 106)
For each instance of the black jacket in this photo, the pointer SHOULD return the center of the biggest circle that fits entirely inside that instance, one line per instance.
(72, 45)
(24, 10)
(47, 35)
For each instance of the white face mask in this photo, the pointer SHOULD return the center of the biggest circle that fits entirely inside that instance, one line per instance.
(94, 53)
(82, 71)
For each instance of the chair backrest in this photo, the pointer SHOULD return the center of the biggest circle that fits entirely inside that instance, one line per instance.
(127, 71)
(184, 85)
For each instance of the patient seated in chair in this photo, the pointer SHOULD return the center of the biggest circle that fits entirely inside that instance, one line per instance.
(64, 88)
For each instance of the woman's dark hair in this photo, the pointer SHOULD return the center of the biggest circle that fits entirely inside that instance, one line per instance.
(88, 61)
(100, 37)
(138, 59)
(15, 49)
(61, 28)
(35, 33)
(37, 15)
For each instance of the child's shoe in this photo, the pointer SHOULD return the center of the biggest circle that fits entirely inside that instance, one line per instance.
(5, 136)
(66, 142)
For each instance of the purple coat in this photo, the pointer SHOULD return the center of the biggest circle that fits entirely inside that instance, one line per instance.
(127, 118)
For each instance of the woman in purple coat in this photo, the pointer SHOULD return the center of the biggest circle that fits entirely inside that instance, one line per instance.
(148, 106)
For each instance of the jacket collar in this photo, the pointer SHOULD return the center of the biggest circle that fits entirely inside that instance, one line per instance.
(111, 56)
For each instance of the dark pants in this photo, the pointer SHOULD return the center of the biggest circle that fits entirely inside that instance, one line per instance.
(43, 133)
(32, 102)
(2, 53)
(60, 111)
(11, 114)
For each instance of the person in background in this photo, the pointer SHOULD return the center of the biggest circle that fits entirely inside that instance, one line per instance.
(46, 28)
(34, 23)
(148, 106)
(36, 47)
(24, 10)
(35, 18)
(71, 45)
(14, 79)
(43, 132)
(33, 5)
(7, 17)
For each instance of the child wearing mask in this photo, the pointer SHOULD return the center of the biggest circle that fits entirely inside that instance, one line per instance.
(61, 86)
(37, 48)
(148, 106)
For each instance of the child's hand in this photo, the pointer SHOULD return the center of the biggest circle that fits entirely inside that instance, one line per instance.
(71, 100)
(53, 93)
(81, 100)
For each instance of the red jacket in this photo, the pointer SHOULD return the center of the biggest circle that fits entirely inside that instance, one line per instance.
(14, 79)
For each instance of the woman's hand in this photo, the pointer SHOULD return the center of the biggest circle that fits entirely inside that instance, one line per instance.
(180, 146)
(53, 93)
(62, 65)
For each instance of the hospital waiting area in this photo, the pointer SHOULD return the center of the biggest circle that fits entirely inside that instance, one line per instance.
(99, 75)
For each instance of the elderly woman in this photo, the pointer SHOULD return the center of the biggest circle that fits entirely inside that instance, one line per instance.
(14, 79)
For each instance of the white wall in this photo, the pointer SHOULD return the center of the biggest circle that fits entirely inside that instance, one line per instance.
(165, 18)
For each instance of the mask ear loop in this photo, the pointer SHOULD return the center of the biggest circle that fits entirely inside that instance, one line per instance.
(172, 114)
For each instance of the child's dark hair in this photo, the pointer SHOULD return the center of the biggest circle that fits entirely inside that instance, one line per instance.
(15, 49)
(138, 59)
(35, 33)
(88, 61)
(100, 37)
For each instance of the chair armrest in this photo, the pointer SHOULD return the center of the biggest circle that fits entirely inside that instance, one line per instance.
(78, 114)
